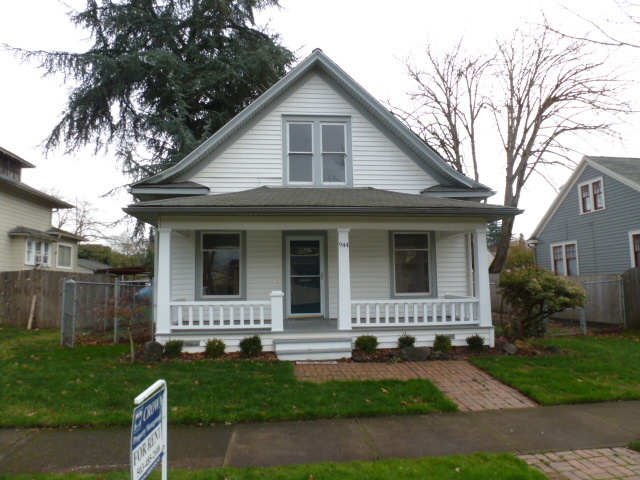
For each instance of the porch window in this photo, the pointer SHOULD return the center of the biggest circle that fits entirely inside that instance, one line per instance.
(37, 252)
(565, 259)
(411, 252)
(591, 196)
(64, 256)
(221, 264)
(316, 151)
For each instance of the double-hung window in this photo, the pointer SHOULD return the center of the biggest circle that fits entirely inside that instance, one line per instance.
(591, 196)
(317, 151)
(634, 244)
(37, 252)
(411, 257)
(222, 264)
(64, 256)
(565, 258)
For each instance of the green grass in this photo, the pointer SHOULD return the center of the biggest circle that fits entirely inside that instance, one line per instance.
(469, 467)
(594, 369)
(44, 384)
(635, 445)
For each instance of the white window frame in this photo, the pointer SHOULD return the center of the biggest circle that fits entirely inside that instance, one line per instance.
(564, 256)
(591, 196)
(316, 122)
(70, 247)
(242, 287)
(31, 254)
(631, 252)
(432, 267)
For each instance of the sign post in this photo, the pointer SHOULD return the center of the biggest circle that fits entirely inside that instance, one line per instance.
(149, 432)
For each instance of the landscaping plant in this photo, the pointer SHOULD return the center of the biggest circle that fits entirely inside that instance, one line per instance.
(214, 348)
(406, 341)
(251, 346)
(367, 344)
(475, 343)
(173, 348)
(535, 293)
(442, 343)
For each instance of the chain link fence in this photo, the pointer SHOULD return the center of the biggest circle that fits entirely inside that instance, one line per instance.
(98, 312)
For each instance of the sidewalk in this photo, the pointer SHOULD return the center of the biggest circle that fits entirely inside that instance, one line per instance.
(522, 431)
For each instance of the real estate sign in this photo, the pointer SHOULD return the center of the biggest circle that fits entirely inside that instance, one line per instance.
(149, 432)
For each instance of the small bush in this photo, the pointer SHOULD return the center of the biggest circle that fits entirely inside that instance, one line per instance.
(634, 445)
(406, 341)
(214, 348)
(251, 346)
(475, 343)
(442, 343)
(367, 343)
(173, 348)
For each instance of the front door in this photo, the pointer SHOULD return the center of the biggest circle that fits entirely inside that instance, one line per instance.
(305, 275)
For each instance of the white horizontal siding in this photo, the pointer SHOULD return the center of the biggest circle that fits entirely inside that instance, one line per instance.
(452, 265)
(183, 272)
(264, 264)
(256, 159)
(369, 259)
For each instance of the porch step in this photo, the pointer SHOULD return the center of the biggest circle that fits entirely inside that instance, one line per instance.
(313, 348)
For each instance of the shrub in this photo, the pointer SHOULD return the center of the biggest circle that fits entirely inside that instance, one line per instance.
(367, 343)
(406, 341)
(442, 343)
(214, 348)
(251, 346)
(475, 343)
(534, 294)
(173, 348)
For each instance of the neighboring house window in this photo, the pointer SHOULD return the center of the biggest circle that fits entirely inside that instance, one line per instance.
(221, 264)
(634, 239)
(317, 152)
(591, 196)
(37, 252)
(565, 259)
(411, 263)
(64, 256)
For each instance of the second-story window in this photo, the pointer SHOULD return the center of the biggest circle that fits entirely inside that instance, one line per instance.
(317, 152)
(591, 196)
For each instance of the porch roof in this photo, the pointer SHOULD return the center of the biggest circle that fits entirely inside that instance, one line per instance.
(318, 201)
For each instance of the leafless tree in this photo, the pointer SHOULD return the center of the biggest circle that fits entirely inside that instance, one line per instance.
(540, 87)
(448, 101)
(81, 220)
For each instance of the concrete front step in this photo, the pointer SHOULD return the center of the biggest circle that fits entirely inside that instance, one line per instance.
(313, 348)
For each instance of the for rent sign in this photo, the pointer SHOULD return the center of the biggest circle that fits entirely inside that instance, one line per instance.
(149, 432)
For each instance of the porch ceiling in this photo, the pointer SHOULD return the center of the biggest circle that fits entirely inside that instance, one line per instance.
(323, 201)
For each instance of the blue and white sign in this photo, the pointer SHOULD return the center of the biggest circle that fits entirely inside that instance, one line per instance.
(149, 432)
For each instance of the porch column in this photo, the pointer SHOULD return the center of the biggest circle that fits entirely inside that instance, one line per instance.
(344, 280)
(163, 282)
(481, 276)
(277, 311)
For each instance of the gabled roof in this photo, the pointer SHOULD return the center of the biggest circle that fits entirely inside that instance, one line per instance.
(624, 169)
(20, 188)
(318, 201)
(53, 234)
(319, 62)
(23, 163)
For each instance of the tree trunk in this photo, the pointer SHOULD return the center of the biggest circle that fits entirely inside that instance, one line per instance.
(503, 247)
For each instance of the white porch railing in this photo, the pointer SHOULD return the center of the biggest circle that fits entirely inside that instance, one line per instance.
(219, 315)
(412, 312)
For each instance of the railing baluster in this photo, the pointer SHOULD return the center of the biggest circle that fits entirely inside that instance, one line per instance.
(190, 316)
(377, 312)
(386, 313)
(367, 310)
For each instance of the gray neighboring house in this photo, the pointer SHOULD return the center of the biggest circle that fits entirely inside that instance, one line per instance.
(90, 266)
(593, 225)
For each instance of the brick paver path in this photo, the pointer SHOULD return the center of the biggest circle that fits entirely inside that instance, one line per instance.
(599, 464)
(468, 386)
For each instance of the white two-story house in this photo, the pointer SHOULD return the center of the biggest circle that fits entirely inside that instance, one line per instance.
(313, 217)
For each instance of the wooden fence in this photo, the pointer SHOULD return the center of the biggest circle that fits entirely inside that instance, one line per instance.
(19, 289)
(604, 299)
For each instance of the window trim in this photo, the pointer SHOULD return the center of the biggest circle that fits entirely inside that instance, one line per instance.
(590, 183)
(243, 266)
(70, 246)
(32, 261)
(433, 283)
(316, 134)
(564, 256)
(632, 233)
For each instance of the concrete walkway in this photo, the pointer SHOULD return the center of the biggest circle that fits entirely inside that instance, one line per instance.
(466, 385)
(522, 431)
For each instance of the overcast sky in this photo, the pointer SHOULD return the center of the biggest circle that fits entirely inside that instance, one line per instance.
(367, 38)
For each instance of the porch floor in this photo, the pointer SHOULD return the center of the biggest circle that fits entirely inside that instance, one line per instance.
(303, 325)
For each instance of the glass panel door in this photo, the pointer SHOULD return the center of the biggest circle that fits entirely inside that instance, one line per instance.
(305, 276)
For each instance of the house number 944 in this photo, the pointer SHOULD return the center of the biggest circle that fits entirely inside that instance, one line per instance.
(343, 244)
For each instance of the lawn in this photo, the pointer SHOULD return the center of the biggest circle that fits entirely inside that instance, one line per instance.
(469, 467)
(46, 385)
(594, 369)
